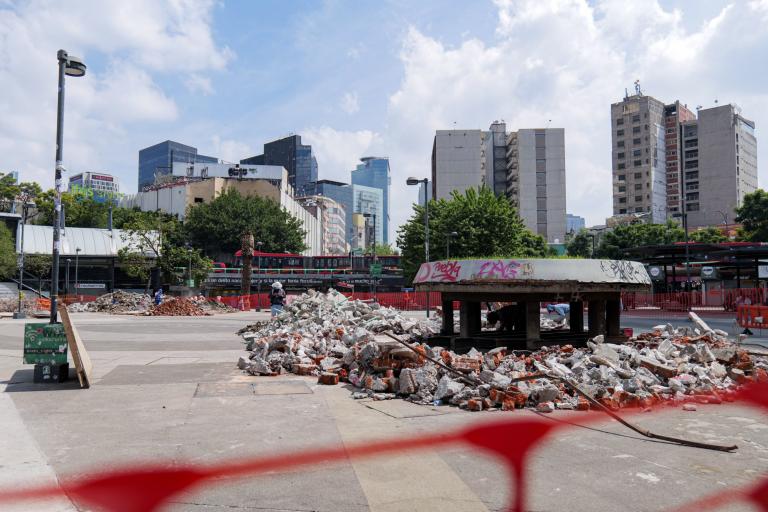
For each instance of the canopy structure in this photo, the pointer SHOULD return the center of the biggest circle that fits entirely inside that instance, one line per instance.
(92, 242)
(524, 284)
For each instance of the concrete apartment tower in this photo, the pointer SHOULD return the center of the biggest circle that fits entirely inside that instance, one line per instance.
(535, 181)
(527, 166)
(720, 165)
(638, 157)
(675, 115)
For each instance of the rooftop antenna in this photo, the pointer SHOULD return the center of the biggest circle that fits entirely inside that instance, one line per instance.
(637, 88)
(626, 93)
(548, 121)
(716, 101)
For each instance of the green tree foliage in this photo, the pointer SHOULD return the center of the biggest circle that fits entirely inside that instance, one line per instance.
(382, 250)
(9, 189)
(79, 211)
(217, 226)
(7, 253)
(160, 236)
(580, 245)
(38, 264)
(615, 242)
(709, 235)
(486, 225)
(753, 215)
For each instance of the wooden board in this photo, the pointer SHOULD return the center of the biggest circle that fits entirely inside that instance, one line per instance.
(83, 365)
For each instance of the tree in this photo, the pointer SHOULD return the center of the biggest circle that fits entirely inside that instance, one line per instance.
(753, 215)
(157, 239)
(38, 264)
(10, 190)
(216, 227)
(615, 242)
(486, 225)
(709, 235)
(581, 244)
(7, 253)
(80, 211)
(382, 250)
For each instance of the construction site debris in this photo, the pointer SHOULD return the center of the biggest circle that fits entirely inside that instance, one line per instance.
(384, 354)
(118, 301)
(11, 305)
(177, 307)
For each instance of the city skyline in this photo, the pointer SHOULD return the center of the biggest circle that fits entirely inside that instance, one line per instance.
(196, 76)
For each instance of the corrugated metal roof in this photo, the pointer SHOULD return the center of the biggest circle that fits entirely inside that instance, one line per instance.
(91, 241)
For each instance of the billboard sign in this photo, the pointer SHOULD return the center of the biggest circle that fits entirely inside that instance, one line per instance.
(206, 170)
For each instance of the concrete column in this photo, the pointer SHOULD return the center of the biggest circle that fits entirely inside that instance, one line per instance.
(613, 317)
(532, 322)
(577, 317)
(447, 327)
(520, 318)
(596, 317)
(469, 318)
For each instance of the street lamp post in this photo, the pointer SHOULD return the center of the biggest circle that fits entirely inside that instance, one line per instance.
(25, 205)
(373, 249)
(66, 276)
(448, 243)
(77, 258)
(425, 181)
(68, 66)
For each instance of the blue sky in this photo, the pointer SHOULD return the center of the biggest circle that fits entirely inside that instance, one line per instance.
(356, 78)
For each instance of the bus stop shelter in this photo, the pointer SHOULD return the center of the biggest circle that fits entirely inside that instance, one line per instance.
(596, 284)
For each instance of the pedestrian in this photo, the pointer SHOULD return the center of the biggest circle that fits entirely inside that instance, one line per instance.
(158, 296)
(276, 298)
(561, 310)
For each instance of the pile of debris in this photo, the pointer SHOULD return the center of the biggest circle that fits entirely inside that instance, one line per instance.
(11, 305)
(212, 306)
(338, 339)
(118, 301)
(177, 307)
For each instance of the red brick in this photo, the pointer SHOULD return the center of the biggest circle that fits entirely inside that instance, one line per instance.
(329, 379)
(475, 405)
(304, 369)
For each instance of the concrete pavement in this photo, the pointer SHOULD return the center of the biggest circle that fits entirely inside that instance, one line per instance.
(166, 390)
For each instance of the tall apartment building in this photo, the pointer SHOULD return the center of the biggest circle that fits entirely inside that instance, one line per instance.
(157, 161)
(332, 223)
(527, 166)
(720, 165)
(99, 186)
(375, 172)
(639, 157)
(675, 115)
(536, 180)
(296, 157)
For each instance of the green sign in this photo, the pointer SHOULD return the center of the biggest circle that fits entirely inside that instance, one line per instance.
(375, 269)
(45, 343)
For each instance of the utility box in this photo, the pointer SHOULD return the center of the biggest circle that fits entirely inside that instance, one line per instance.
(45, 343)
(51, 373)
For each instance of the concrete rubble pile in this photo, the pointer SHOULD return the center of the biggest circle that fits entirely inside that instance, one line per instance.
(177, 307)
(337, 340)
(11, 305)
(116, 302)
(212, 306)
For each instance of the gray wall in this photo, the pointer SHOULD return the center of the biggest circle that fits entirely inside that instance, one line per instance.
(460, 157)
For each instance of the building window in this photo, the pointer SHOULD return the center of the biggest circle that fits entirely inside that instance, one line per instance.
(635, 129)
(622, 211)
(540, 140)
(621, 177)
(621, 166)
(619, 133)
(620, 144)
(692, 207)
(636, 152)
(692, 154)
(620, 121)
(692, 186)
(636, 141)
(637, 163)
(622, 200)
(692, 175)
(636, 118)
(622, 188)
(638, 199)
(620, 156)
(670, 130)
(693, 164)
(638, 175)
(638, 186)
(198, 200)
(691, 143)
(693, 196)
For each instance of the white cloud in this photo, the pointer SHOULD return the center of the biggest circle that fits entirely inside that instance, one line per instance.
(197, 83)
(349, 103)
(127, 46)
(338, 151)
(568, 61)
(231, 150)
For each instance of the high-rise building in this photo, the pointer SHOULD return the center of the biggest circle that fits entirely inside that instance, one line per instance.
(536, 180)
(574, 223)
(527, 166)
(720, 165)
(354, 199)
(638, 157)
(156, 161)
(296, 157)
(709, 162)
(332, 218)
(374, 172)
(370, 201)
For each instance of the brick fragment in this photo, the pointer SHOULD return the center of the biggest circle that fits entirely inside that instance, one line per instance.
(328, 379)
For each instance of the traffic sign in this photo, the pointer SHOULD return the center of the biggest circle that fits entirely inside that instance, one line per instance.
(375, 269)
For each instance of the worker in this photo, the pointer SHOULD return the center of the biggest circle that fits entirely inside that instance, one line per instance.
(276, 298)
(507, 315)
(561, 310)
(158, 296)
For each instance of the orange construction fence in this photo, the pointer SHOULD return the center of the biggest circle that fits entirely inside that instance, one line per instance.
(755, 317)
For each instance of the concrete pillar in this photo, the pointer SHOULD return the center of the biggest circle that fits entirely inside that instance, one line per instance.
(469, 318)
(577, 317)
(520, 318)
(447, 327)
(596, 317)
(532, 321)
(613, 317)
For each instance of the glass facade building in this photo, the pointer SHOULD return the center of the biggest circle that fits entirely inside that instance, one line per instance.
(370, 200)
(297, 158)
(157, 160)
(374, 172)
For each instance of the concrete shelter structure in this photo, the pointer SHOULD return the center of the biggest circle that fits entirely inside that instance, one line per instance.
(528, 283)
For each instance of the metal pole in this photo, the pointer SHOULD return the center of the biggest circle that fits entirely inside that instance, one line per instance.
(66, 277)
(62, 56)
(375, 257)
(426, 231)
(77, 259)
(687, 254)
(448, 246)
(20, 312)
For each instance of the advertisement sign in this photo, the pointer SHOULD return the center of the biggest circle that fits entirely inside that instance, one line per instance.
(656, 273)
(709, 273)
(45, 343)
(762, 271)
(90, 286)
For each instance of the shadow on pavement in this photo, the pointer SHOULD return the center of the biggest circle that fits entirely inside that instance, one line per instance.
(23, 380)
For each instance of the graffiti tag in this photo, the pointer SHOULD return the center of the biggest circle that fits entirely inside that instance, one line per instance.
(498, 269)
(622, 270)
(446, 271)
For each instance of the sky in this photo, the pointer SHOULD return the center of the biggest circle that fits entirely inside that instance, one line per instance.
(363, 78)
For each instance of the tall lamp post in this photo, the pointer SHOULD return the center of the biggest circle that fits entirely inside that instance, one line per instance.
(25, 206)
(448, 237)
(373, 248)
(68, 66)
(425, 181)
(77, 257)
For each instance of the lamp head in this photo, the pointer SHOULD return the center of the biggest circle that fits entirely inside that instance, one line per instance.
(74, 66)
(414, 181)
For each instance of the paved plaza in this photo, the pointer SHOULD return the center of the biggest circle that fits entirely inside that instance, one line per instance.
(166, 390)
